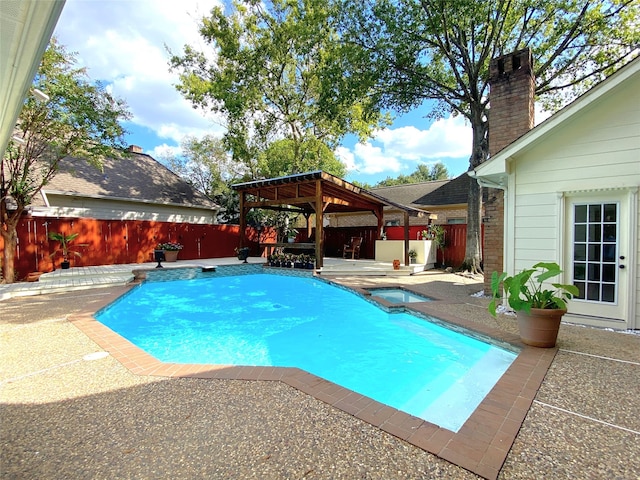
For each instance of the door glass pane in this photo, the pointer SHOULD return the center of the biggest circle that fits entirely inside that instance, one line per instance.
(609, 293)
(610, 212)
(593, 291)
(595, 251)
(610, 234)
(609, 273)
(594, 272)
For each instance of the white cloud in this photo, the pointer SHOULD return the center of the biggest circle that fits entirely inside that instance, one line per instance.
(161, 152)
(122, 43)
(400, 150)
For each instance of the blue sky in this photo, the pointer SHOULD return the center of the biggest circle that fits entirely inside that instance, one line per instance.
(122, 43)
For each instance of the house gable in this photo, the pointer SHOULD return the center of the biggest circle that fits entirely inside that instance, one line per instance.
(136, 187)
(585, 154)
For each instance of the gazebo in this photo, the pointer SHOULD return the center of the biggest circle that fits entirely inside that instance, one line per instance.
(317, 193)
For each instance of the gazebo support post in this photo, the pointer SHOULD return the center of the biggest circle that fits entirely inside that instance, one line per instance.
(243, 220)
(319, 226)
(406, 237)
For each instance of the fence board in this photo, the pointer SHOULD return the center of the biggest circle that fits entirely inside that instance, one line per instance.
(107, 242)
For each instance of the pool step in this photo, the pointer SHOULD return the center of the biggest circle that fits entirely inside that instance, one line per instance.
(78, 278)
(369, 268)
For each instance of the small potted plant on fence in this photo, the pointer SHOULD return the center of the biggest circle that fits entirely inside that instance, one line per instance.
(539, 309)
(65, 248)
(170, 250)
(413, 255)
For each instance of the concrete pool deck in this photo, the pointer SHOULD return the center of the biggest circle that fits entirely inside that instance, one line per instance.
(69, 415)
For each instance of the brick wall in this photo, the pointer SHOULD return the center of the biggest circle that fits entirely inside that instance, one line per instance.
(511, 115)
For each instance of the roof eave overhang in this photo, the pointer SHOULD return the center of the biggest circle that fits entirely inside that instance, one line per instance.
(46, 193)
(25, 30)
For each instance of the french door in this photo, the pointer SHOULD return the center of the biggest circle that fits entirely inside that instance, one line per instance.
(596, 255)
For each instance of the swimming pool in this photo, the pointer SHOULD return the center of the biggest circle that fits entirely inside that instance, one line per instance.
(271, 320)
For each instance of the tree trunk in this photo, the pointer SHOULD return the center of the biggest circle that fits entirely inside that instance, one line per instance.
(473, 250)
(10, 236)
(472, 254)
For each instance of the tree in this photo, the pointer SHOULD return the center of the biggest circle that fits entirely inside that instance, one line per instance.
(412, 51)
(270, 74)
(422, 173)
(207, 165)
(79, 119)
(280, 158)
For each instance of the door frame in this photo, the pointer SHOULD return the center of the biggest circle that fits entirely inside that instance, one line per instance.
(628, 218)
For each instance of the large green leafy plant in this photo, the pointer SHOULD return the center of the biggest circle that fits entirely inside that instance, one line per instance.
(526, 290)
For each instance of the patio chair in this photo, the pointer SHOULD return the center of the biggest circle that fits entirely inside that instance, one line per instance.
(353, 248)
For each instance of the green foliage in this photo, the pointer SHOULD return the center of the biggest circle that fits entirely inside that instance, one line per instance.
(286, 157)
(271, 74)
(65, 244)
(408, 52)
(80, 119)
(422, 173)
(205, 164)
(525, 291)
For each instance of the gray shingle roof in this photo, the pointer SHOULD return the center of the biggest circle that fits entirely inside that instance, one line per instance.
(455, 192)
(429, 194)
(408, 194)
(138, 177)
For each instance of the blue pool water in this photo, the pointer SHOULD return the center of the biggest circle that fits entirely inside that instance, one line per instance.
(397, 295)
(271, 320)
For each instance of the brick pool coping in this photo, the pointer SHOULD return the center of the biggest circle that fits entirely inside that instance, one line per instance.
(480, 446)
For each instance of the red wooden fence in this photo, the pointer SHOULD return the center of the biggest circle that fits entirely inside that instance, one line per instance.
(107, 242)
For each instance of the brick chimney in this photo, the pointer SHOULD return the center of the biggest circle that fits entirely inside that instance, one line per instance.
(511, 115)
(134, 149)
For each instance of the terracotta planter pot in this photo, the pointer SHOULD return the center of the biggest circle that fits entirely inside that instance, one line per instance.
(171, 255)
(396, 264)
(539, 328)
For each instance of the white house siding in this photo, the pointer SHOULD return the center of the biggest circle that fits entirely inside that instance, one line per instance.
(596, 150)
(103, 209)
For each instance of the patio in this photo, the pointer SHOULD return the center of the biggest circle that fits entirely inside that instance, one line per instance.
(68, 414)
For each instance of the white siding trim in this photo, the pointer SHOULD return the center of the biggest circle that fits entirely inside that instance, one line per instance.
(634, 261)
(561, 231)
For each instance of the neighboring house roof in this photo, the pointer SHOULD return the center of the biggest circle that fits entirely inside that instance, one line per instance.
(494, 171)
(138, 177)
(453, 191)
(409, 193)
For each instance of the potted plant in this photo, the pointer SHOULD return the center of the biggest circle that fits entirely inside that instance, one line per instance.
(170, 250)
(65, 248)
(539, 309)
(242, 253)
(413, 255)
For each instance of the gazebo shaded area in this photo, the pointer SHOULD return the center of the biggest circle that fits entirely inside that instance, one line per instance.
(317, 193)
